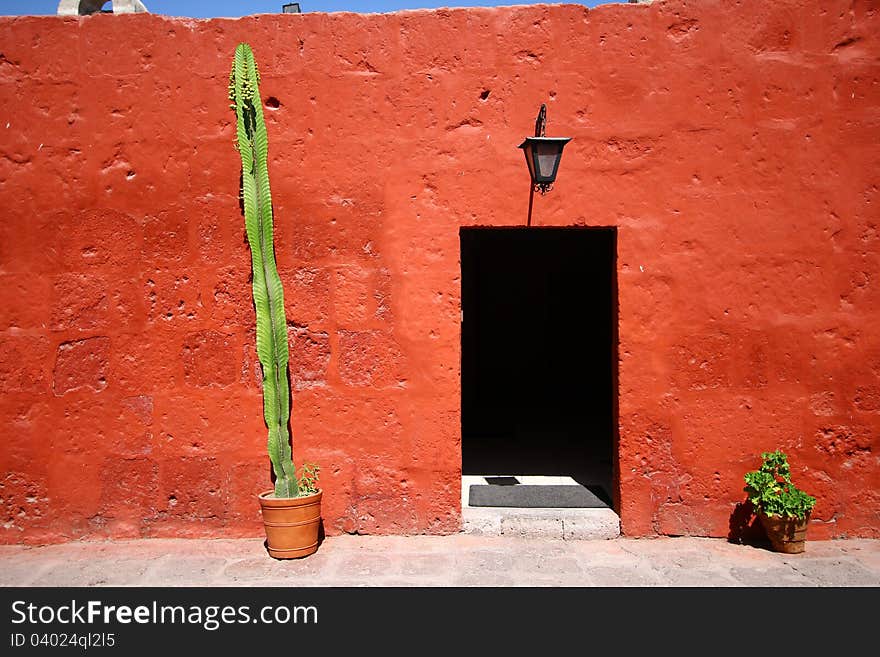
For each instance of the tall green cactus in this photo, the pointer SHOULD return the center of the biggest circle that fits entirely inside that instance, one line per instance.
(272, 349)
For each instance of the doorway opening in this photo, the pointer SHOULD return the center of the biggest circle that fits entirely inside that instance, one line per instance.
(539, 356)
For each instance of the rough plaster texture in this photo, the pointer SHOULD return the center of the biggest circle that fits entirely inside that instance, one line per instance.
(733, 145)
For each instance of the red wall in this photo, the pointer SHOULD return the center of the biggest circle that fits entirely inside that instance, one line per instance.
(733, 144)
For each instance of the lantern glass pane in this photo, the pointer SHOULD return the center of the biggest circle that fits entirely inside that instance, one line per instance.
(546, 156)
(545, 164)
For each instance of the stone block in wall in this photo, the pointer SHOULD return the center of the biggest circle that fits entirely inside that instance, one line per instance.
(81, 364)
(309, 357)
(23, 360)
(211, 358)
(370, 358)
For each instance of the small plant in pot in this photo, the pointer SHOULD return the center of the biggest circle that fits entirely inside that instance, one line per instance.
(783, 509)
(292, 511)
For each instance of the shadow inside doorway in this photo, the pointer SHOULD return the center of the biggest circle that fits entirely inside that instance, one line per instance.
(539, 353)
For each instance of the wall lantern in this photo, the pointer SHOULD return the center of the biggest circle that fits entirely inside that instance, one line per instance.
(543, 155)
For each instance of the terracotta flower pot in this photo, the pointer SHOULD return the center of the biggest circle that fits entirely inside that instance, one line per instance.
(786, 534)
(292, 524)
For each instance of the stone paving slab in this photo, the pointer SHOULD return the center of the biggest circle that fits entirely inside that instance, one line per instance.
(443, 561)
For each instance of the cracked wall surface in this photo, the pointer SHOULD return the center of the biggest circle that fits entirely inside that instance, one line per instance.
(733, 145)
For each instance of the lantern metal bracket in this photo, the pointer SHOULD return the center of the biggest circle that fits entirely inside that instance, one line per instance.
(541, 131)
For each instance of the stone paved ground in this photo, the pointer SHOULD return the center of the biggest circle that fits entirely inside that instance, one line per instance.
(458, 560)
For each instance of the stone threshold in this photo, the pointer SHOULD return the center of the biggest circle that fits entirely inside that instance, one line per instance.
(558, 523)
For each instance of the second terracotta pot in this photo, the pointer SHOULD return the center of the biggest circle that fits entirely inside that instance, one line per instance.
(786, 535)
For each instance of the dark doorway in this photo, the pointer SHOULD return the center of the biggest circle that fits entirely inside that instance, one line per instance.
(539, 336)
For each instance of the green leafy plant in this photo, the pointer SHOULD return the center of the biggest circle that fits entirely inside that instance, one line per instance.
(771, 490)
(272, 348)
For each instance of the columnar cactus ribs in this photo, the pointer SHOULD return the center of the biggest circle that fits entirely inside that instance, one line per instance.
(272, 349)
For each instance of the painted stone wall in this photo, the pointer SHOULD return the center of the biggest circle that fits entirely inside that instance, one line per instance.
(734, 145)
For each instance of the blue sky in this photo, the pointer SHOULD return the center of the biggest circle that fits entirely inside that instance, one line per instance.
(210, 8)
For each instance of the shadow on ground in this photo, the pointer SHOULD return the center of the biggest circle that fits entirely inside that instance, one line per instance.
(745, 528)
